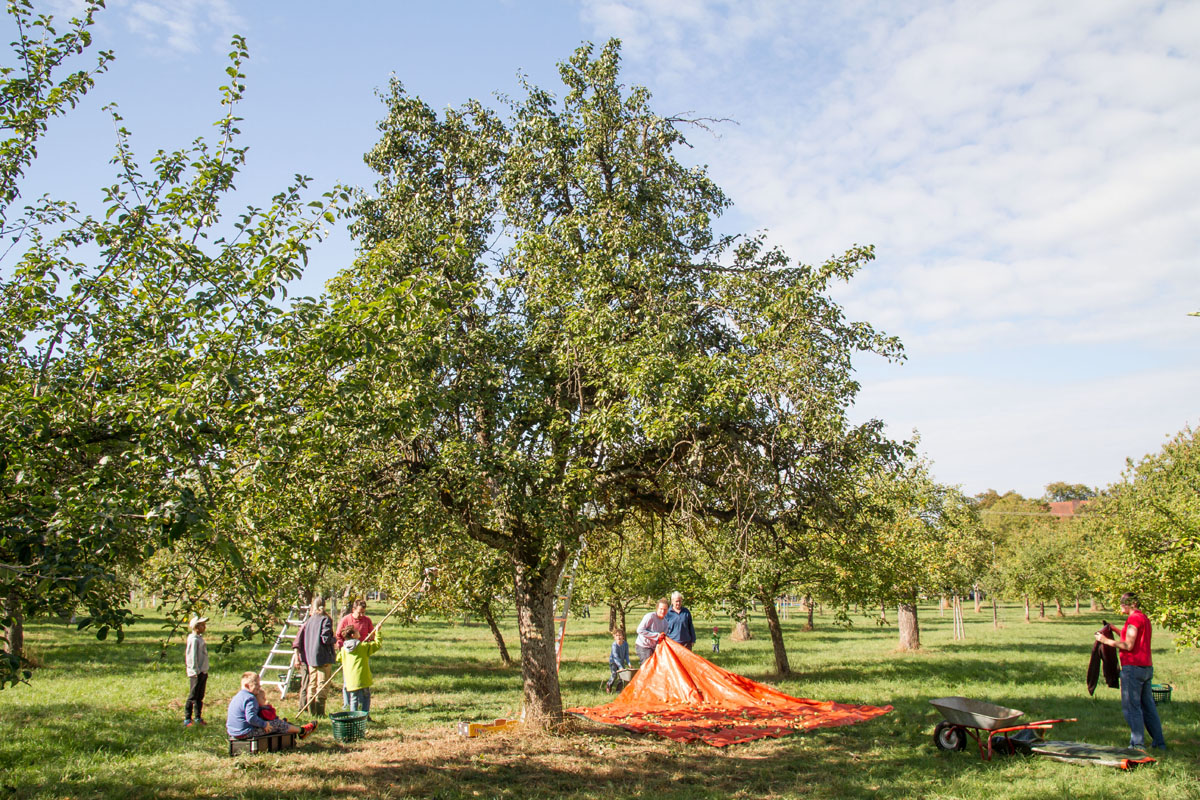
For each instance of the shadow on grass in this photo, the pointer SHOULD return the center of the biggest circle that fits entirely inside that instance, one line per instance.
(63, 729)
(600, 764)
(944, 670)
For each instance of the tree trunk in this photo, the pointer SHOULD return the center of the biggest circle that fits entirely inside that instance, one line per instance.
(1078, 611)
(883, 612)
(741, 628)
(1092, 603)
(1041, 609)
(496, 634)
(808, 603)
(1027, 608)
(612, 619)
(14, 634)
(995, 615)
(910, 630)
(942, 606)
(781, 659)
(533, 589)
(1058, 608)
(978, 600)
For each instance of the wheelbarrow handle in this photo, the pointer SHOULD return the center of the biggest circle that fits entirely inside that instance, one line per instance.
(1039, 725)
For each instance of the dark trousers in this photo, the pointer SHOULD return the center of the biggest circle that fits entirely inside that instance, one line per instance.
(195, 699)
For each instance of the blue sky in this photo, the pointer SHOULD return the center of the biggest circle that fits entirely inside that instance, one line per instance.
(1027, 172)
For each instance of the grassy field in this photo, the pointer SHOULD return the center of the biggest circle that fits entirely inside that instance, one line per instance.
(104, 720)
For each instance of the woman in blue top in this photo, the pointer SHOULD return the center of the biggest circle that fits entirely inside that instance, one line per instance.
(679, 622)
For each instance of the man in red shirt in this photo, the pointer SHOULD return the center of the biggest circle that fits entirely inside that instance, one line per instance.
(1137, 673)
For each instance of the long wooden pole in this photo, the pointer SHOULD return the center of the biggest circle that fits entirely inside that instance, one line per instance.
(421, 585)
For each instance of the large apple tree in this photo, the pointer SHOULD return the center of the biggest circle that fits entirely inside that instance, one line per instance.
(544, 332)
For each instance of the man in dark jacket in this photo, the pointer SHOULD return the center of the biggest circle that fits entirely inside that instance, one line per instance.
(317, 634)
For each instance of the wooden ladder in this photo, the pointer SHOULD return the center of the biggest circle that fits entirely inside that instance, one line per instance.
(562, 603)
(283, 647)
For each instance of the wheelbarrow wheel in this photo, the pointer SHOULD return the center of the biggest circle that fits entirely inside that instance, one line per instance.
(948, 736)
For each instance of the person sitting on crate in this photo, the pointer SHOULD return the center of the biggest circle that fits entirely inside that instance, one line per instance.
(355, 657)
(265, 709)
(244, 720)
(618, 658)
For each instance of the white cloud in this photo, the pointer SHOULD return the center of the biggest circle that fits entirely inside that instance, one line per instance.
(1026, 170)
(181, 26)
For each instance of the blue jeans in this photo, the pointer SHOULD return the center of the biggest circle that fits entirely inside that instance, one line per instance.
(1137, 704)
(359, 700)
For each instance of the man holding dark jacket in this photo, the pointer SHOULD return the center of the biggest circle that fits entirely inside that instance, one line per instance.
(1137, 674)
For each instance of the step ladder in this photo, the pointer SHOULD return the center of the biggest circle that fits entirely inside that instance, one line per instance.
(562, 603)
(283, 648)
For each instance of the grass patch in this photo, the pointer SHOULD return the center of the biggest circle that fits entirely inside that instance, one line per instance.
(104, 720)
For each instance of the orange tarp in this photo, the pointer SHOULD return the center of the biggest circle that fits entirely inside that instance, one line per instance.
(682, 696)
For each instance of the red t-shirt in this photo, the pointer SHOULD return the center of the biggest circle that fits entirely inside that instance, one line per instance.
(363, 625)
(1139, 656)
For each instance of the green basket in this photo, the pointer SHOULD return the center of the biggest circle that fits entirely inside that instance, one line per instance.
(1161, 692)
(293, 685)
(348, 726)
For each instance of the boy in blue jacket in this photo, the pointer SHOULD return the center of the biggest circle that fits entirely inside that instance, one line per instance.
(618, 658)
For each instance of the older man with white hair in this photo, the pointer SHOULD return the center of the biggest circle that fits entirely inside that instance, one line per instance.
(679, 622)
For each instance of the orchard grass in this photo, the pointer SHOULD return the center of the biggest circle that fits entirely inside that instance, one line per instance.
(102, 719)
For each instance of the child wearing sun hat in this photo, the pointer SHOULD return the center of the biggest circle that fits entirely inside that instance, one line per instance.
(195, 660)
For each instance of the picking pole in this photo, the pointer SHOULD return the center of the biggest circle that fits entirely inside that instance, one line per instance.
(421, 586)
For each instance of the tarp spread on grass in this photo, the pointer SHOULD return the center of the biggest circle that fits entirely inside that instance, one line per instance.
(1093, 754)
(684, 697)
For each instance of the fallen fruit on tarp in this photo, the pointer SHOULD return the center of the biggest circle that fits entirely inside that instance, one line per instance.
(687, 698)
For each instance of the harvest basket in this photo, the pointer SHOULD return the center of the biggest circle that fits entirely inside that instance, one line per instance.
(348, 726)
(1161, 692)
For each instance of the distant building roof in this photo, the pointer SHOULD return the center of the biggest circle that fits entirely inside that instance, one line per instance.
(1067, 508)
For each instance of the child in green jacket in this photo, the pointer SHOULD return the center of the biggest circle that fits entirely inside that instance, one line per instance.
(355, 657)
